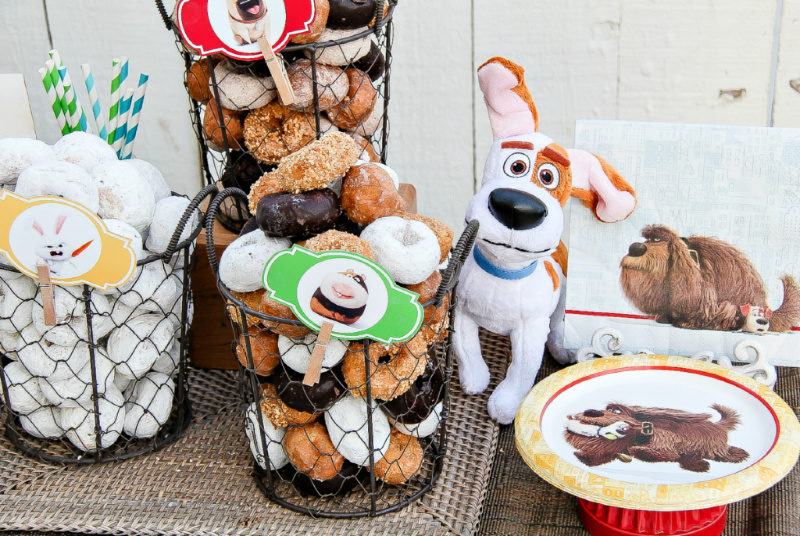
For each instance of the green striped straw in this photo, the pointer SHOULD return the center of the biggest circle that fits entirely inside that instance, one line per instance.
(55, 80)
(77, 119)
(94, 101)
(122, 129)
(117, 91)
(133, 118)
(55, 103)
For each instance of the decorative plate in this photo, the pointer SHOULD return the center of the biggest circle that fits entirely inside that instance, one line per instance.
(657, 433)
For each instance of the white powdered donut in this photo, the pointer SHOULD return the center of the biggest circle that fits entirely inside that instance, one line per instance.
(424, 428)
(83, 149)
(62, 179)
(296, 353)
(177, 310)
(77, 389)
(346, 422)
(274, 439)
(126, 231)
(52, 362)
(79, 423)
(44, 423)
(167, 363)
(71, 322)
(341, 53)
(155, 180)
(166, 217)
(24, 392)
(407, 249)
(370, 124)
(153, 291)
(124, 194)
(6, 273)
(136, 346)
(18, 154)
(242, 90)
(243, 261)
(16, 302)
(124, 385)
(149, 405)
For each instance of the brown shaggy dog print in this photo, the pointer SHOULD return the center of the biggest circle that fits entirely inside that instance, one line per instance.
(699, 282)
(623, 432)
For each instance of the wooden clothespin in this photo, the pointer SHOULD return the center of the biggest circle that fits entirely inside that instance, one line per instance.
(315, 365)
(48, 298)
(275, 66)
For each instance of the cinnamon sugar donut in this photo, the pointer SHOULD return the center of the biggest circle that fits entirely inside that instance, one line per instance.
(267, 184)
(270, 307)
(278, 413)
(263, 348)
(274, 131)
(338, 240)
(232, 120)
(357, 103)
(311, 451)
(402, 460)
(319, 163)
(368, 193)
(388, 379)
(197, 81)
(332, 85)
(444, 234)
(427, 289)
(321, 10)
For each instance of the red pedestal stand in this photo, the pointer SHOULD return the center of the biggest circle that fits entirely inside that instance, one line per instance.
(601, 520)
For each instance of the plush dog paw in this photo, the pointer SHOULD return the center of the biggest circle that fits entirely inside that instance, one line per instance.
(504, 403)
(475, 378)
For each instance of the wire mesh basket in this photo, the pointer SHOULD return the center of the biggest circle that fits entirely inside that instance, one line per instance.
(340, 81)
(367, 439)
(108, 381)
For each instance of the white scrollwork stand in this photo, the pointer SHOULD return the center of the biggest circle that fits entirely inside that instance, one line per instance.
(608, 341)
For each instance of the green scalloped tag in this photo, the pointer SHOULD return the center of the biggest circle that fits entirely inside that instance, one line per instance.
(350, 291)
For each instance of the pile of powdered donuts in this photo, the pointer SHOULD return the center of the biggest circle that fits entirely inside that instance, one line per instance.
(258, 129)
(48, 371)
(323, 197)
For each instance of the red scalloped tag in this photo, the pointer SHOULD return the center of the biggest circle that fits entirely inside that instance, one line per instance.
(233, 27)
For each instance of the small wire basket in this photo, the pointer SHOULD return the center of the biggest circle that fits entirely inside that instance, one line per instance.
(322, 460)
(243, 130)
(108, 381)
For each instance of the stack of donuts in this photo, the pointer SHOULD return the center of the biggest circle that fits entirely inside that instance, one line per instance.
(339, 92)
(324, 197)
(118, 346)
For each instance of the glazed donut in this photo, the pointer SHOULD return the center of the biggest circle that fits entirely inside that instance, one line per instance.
(61, 179)
(166, 217)
(274, 439)
(358, 102)
(16, 303)
(311, 451)
(372, 122)
(427, 289)
(311, 399)
(331, 86)
(402, 461)
(83, 149)
(149, 405)
(348, 425)
(367, 153)
(373, 63)
(338, 240)
(268, 183)
(242, 263)
(296, 353)
(318, 164)
(274, 131)
(18, 154)
(287, 214)
(444, 234)
(242, 170)
(242, 90)
(263, 348)
(124, 195)
(275, 309)
(24, 391)
(350, 14)
(278, 412)
(43, 423)
(321, 10)
(136, 345)
(80, 423)
(368, 193)
(407, 249)
(436, 321)
(388, 379)
(155, 180)
(197, 81)
(338, 53)
(233, 135)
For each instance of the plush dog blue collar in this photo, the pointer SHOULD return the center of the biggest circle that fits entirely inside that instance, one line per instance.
(502, 273)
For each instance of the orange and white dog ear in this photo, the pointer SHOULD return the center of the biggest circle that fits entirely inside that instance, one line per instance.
(511, 108)
(600, 187)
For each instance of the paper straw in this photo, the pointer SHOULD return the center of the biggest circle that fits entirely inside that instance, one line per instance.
(55, 58)
(77, 119)
(94, 101)
(122, 128)
(55, 103)
(55, 80)
(116, 96)
(133, 117)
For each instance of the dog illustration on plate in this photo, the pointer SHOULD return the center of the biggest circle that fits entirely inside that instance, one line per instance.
(341, 296)
(247, 20)
(621, 432)
(702, 283)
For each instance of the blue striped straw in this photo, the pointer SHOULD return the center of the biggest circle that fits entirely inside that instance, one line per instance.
(94, 101)
(77, 119)
(133, 118)
(122, 128)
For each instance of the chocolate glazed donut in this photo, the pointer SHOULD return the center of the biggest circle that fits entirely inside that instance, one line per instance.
(311, 399)
(341, 483)
(350, 14)
(416, 404)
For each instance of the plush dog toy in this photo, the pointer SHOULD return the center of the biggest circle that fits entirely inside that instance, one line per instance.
(513, 282)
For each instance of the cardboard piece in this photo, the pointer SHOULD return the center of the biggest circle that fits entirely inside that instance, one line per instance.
(17, 119)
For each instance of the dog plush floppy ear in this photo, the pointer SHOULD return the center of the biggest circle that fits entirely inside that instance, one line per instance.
(513, 282)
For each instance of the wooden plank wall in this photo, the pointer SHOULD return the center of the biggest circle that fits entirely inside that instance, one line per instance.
(698, 61)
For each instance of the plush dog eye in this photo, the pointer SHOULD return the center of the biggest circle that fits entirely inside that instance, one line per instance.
(517, 165)
(549, 176)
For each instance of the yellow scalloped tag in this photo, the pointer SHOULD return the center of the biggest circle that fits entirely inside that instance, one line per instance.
(69, 238)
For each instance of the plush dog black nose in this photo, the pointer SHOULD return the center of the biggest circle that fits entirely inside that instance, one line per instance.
(516, 209)
(637, 249)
